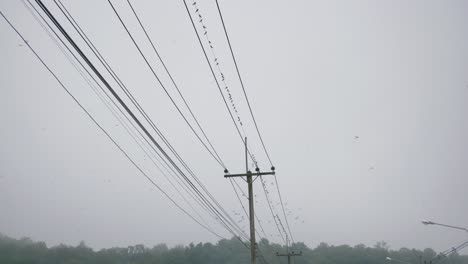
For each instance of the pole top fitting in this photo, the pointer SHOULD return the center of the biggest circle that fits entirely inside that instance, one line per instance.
(427, 222)
(226, 171)
(273, 168)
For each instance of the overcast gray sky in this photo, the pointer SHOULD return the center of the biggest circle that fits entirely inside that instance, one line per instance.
(362, 105)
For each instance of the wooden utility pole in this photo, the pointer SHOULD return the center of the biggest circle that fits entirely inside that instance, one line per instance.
(248, 174)
(288, 254)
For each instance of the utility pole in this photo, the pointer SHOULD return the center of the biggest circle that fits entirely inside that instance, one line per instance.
(248, 174)
(288, 254)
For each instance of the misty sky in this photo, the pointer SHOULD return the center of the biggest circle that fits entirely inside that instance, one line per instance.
(362, 105)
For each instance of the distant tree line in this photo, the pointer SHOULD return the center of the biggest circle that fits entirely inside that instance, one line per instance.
(26, 251)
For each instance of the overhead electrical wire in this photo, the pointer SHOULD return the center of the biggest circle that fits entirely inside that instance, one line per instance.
(110, 109)
(216, 62)
(155, 52)
(126, 90)
(450, 251)
(284, 211)
(100, 127)
(100, 96)
(127, 128)
(183, 183)
(109, 69)
(216, 79)
(194, 176)
(141, 53)
(261, 255)
(464, 245)
(240, 78)
(117, 79)
(284, 230)
(217, 83)
(242, 83)
(271, 209)
(163, 86)
(159, 81)
(251, 112)
(174, 83)
(223, 220)
(245, 211)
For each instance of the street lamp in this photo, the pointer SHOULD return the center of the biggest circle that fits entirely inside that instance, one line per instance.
(449, 226)
(447, 252)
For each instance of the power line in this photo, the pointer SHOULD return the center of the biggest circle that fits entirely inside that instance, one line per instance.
(83, 35)
(243, 207)
(250, 108)
(450, 251)
(174, 83)
(115, 114)
(266, 191)
(109, 107)
(249, 178)
(271, 209)
(109, 69)
(221, 207)
(162, 85)
(251, 112)
(284, 211)
(159, 81)
(245, 211)
(206, 57)
(242, 83)
(157, 78)
(123, 87)
(132, 115)
(262, 257)
(100, 127)
(215, 78)
(217, 63)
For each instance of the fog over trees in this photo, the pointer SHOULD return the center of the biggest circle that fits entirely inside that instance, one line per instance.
(126, 124)
(26, 251)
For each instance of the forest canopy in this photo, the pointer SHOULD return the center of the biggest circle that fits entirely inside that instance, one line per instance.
(26, 251)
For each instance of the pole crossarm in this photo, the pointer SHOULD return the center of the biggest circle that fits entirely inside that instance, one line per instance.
(288, 254)
(249, 173)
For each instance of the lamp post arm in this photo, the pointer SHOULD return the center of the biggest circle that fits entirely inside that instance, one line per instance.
(449, 226)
